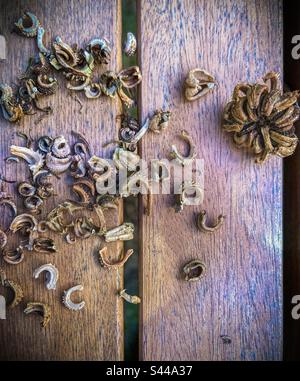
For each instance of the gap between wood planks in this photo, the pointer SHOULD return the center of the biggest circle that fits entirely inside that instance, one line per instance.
(131, 318)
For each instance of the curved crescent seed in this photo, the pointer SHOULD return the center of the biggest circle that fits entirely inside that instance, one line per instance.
(175, 154)
(51, 276)
(42, 309)
(202, 222)
(67, 298)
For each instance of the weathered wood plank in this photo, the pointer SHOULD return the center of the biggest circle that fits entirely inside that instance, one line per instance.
(96, 332)
(241, 295)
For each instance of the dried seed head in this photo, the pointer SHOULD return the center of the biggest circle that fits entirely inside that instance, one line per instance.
(261, 118)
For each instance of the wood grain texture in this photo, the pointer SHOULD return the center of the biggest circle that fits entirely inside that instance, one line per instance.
(291, 194)
(96, 332)
(241, 295)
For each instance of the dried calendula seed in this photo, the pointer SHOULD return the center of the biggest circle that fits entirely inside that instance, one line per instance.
(51, 275)
(40, 42)
(198, 83)
(107, 201)
(11, 109)
(129, 127)
(44, 143)
(10, 204)
(17, 290)
(133, 299)
(130, 77)
(60, 148)
(130, 44)
(67, 298)
(141, 132)
(70, 238)
(100, 49)
(84, 189)
(102, 221)
(33, 203)
(33, 158)
(106, 263)
(84, 228)
(28, 25)
(13, 257)
(202, 222)
(123, 232)
(44, 245)
(159, 121)
(41, 309)
(24, 222)
(194, 270)
(14, 287)
(58, 165)
(93, 91)
(175, 154)
(261, 118)
(26, 189)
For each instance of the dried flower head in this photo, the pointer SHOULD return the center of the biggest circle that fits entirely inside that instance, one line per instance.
(261, 117)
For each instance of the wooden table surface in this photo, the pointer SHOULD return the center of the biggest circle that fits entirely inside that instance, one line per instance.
(96, 332)
(241, 295)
